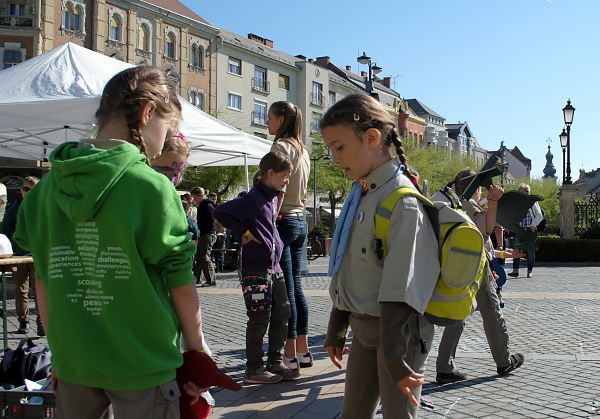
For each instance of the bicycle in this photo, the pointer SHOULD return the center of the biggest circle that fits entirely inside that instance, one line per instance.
(315, 248)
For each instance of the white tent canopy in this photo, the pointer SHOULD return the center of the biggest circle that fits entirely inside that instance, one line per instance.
(52, 98)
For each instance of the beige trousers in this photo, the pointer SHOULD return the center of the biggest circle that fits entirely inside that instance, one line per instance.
(366, 379)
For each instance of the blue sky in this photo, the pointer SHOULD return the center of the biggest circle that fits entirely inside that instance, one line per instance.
(506, 67)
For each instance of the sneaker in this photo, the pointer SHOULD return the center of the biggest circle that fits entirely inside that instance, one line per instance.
(285, 372)
(450, 377)
(514, 274)
(292, 364)
(262, 377)
(516, 360)
(23, 328)
(529, 274)
(306, 360)
(206, 284)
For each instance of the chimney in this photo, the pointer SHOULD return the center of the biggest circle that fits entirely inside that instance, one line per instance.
(264, 41)
(301, 57)
(363, 74)
(323, 61)
(310, 60)
(348, 68)
(386, 81)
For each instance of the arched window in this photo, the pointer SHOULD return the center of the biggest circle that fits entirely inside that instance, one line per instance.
(194, 56)
(200, 101)
(115, 27)
(200, 57)
(144, 37)
(170, 45)
(192, 97)
(77, 14)
(68, 16)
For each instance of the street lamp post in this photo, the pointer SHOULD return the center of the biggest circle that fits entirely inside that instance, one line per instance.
(568, 112)
(374, 69)
(315, 160)
(563, 144)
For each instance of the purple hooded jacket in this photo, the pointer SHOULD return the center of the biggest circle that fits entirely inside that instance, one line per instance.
(255, 211)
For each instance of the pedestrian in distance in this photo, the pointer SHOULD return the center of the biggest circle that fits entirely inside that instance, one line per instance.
(284, 120)
(488, 302)
(25, 274)
(531, 221)
(206, 241)
(382, 298)
(253, 215)
(113, 259)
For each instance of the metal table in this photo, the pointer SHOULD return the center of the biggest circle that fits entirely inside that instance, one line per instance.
(5, 265)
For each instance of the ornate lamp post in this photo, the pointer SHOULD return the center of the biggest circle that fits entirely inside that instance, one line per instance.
(568, 112)
(563, 143)
(374, 69)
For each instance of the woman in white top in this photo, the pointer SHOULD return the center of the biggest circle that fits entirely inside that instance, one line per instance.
(285, 122)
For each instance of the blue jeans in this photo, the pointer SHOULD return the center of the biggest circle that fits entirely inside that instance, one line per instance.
(530, 260)
(293, 230)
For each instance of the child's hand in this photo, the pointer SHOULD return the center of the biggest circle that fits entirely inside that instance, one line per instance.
(411, 381)
(335, 354)
(193, 391)
(513, 253)
(249, 237)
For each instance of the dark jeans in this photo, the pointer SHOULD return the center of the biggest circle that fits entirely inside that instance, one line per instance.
(530, 260)
(293, 230)
(276, 320)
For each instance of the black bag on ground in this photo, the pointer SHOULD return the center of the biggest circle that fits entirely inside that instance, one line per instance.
(29, 361)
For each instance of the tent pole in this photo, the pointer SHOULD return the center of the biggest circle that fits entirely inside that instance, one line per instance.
(247, 175)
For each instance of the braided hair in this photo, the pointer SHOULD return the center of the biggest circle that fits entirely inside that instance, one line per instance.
(128, 91)
(363, 112)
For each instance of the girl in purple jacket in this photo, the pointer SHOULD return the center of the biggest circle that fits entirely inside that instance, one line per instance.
(253, 215)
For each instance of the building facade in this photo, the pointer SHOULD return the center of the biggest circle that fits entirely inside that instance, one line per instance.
(436, 134)
(162, 33)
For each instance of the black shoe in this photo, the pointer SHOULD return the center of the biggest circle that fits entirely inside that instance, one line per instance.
(513, 274)
(40, 330)
(516, 360)
(450, 377)
(23, 328)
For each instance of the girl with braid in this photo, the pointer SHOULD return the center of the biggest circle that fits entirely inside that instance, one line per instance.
(382, 298)
(114, 259)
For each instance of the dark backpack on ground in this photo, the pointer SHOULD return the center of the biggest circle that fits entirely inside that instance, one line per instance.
(29, 361)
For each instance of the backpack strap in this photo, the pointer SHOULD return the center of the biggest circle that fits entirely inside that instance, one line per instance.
(384, 213)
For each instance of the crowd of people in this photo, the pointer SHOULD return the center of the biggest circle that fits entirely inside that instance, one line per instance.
(118, 254)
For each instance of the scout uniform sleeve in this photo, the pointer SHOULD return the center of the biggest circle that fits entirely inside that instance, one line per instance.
(396, 331)
(337, 328)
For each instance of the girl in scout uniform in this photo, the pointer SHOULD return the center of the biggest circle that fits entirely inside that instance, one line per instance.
(381, 298)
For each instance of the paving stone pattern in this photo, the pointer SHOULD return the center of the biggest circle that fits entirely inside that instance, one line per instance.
(553, 318)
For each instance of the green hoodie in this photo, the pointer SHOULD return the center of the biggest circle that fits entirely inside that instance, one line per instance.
(109, 238)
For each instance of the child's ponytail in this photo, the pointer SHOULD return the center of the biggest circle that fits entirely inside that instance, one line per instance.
(394, 139)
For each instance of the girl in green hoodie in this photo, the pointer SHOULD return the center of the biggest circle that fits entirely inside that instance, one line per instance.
(113, 258)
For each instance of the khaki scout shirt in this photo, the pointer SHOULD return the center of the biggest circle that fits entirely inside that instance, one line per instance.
(295, 192)
(408, 273)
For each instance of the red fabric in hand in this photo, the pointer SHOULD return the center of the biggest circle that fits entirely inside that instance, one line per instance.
(200, 369)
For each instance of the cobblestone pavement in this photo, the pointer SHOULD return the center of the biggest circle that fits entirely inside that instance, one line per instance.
(553, 318)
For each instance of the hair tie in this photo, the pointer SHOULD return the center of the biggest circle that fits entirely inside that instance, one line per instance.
(356, 117)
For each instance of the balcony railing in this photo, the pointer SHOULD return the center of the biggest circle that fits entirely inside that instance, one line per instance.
(260, 85)
(259, 118)
(143, 53)
(196, 69)
(317, 99)
(16, 21)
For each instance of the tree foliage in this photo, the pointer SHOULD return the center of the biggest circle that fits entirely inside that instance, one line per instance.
(331, 180)
(225, 181)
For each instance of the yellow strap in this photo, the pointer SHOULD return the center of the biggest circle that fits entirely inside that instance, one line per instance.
(384, 212)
